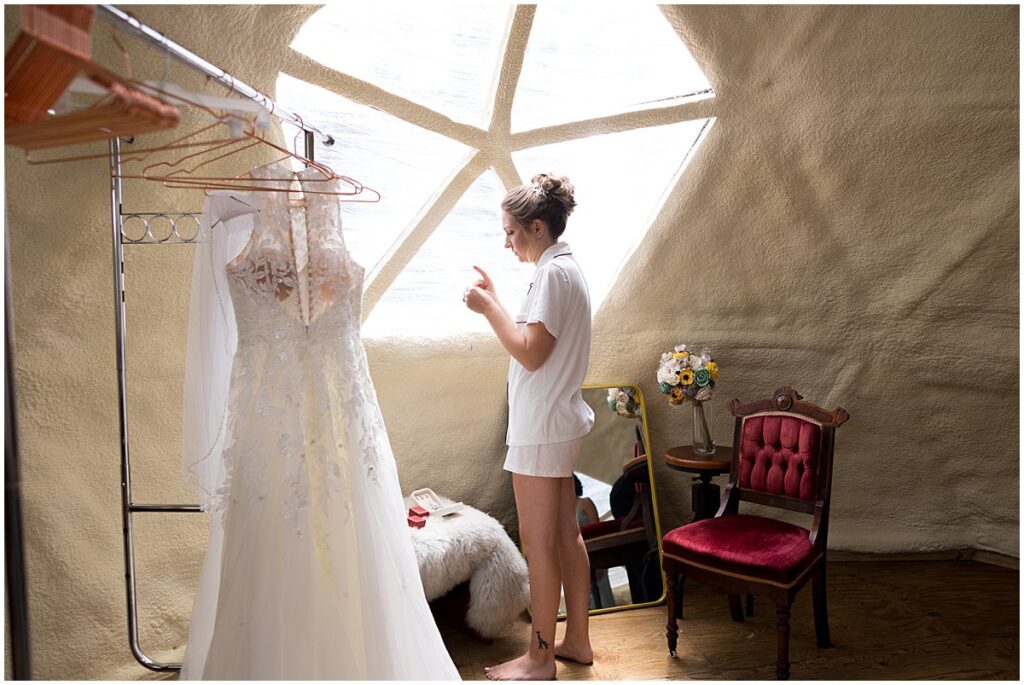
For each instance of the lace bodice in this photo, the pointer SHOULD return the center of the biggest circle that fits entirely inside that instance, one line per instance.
(302, 409)
(296, 257)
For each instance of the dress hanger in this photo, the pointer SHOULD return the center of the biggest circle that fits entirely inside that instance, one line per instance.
(295, 143)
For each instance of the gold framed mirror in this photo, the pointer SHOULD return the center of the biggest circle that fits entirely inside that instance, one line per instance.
(617, 506)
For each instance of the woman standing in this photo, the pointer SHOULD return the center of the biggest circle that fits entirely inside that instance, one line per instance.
(549, 341)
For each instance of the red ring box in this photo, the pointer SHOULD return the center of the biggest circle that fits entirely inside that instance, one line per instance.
(417, 521)
(419, 511)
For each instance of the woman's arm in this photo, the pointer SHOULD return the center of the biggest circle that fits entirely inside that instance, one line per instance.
(531, 350)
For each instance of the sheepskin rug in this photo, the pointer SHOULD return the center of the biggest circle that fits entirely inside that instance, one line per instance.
(470, 545)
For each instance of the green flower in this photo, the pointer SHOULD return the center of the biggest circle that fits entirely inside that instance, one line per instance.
(702, 377)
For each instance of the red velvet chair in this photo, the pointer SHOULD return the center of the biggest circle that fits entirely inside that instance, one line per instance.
(783, 459)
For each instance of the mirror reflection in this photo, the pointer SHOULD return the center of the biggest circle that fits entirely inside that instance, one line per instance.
(615, 501)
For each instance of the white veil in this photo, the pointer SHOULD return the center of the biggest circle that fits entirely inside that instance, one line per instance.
(212, 338)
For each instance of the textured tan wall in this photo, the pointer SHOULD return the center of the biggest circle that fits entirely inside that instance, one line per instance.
(857, 209)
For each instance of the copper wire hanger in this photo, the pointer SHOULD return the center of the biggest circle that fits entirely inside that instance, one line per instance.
(185, 177)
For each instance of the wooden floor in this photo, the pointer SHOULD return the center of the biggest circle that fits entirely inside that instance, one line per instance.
(890, 620)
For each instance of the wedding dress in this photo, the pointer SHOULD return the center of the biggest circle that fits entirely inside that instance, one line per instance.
(310, 571)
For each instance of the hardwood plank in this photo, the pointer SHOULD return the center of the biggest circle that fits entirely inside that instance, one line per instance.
(938, 660)
(890, 620)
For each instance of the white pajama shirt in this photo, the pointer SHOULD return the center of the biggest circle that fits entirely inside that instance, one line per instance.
(547, 417)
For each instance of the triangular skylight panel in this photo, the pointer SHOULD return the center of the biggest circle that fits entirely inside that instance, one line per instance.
(441, 55)
(426, 298)
(621, 181)
(585, 60)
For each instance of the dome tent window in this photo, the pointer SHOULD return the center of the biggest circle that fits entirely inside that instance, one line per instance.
(475, 126)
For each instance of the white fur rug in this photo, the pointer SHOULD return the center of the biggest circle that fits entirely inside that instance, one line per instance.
(471, 545)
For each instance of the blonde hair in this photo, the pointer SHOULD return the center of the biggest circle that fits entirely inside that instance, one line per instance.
(548, 197)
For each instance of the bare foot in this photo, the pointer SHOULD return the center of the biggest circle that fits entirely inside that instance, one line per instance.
(581, 654)
(523, 668)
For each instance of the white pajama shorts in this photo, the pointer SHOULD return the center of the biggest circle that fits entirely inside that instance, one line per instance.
(554, 460)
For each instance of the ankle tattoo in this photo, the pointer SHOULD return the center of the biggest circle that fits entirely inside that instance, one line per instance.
(541, 643)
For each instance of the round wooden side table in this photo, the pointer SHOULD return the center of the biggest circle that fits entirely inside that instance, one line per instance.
(705, 494)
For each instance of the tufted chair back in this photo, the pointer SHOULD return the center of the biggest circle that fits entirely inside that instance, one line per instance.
(784, 455)
(779, 454)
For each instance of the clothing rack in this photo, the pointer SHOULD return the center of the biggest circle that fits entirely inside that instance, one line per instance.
(137, 228)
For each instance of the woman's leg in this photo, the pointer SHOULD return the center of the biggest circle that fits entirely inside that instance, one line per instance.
(538, 502)
(575, 567)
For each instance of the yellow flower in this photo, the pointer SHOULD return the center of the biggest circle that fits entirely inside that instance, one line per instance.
(675, 396)
(686, 376)
(713, 368)
(678, 355)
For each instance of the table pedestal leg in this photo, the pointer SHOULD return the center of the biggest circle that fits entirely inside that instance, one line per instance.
(705, 496)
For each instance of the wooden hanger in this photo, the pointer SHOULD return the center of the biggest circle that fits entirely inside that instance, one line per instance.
(51, 50)
(44, 58)
(196, 139)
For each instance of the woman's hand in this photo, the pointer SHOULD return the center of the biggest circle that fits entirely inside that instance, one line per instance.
(485, 283)
(478, 299)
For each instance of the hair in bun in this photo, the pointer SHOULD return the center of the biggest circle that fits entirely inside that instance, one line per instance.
(548, 197)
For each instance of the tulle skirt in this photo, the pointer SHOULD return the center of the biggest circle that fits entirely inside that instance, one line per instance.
(319, 581)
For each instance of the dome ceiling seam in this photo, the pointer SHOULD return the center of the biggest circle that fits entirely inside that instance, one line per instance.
(615, 123)
(510, 68)
(506, 170)
(301, 67)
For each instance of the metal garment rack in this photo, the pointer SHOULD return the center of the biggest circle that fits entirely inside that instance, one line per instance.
(14, 545)
(121, 227)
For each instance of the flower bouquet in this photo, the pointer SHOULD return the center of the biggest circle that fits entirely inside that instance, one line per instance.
(687, 375)
(623, 402)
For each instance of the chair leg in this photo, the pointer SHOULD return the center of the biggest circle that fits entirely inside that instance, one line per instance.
(736, 608)
(782, 658)
(820, 609)
(680, 578)
(595, 591)
(750, 604)
(671, 628)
